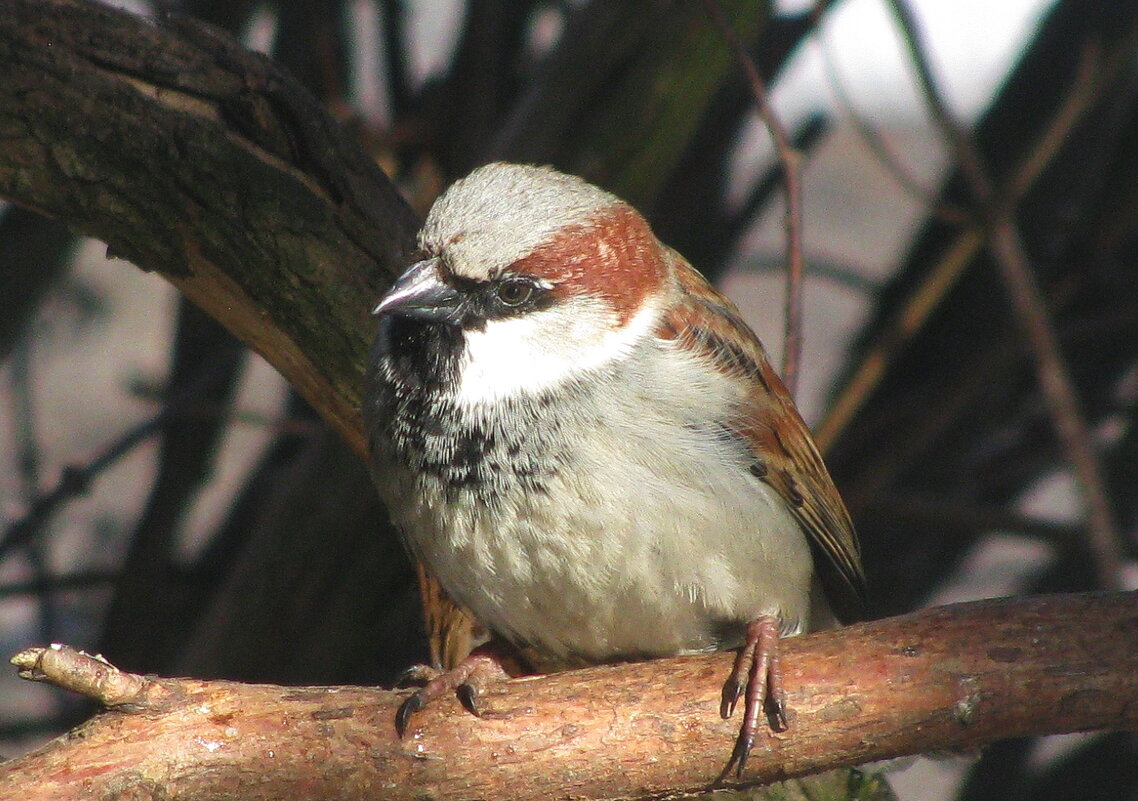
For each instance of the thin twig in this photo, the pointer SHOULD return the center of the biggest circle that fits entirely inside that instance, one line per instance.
(1092, 73)
(880, 148)
(809, 132)
(790, 159)
(967, 157)
(1103, 535)
(1031, 313)
(906, 323)
(80, 581)
(830, 267)
(909, 320)
(23, 414)
(75, 481)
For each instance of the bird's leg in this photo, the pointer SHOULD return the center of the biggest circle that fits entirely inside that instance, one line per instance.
(757, 674)
(484, 666)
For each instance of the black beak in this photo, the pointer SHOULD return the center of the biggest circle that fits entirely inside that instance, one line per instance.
(422, 294)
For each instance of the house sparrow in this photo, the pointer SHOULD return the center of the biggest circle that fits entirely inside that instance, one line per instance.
(585, 444)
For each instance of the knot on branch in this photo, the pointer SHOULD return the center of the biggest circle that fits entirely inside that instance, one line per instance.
(91, 676)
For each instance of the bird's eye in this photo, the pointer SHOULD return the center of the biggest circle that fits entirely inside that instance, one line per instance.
(514, 291)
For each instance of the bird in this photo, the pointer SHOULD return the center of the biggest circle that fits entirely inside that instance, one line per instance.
(586, 445)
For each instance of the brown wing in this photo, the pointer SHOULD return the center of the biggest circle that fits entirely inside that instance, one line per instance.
(452, 632)
(786, 457)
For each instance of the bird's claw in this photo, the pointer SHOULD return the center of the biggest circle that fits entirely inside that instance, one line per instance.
(466, 680)
(757, 677)
(408, 708)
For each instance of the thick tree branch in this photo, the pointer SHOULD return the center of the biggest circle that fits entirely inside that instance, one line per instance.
(952, 677)
(195, 158)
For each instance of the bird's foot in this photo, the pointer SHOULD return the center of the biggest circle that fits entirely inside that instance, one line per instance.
(757, 677)
(483, 667)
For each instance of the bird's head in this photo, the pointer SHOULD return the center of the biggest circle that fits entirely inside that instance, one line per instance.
(541, 276)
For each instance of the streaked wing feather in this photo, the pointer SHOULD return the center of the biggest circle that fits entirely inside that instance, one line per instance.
(786, 457)
(452, 632)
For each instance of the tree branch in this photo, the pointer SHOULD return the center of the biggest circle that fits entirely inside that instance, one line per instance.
(1031, 312)
(195, 158)
(945, 678)
(790, 162)
(1097, 73)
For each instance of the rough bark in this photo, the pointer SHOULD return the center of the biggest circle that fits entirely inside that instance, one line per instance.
(212, 166)
(946, 678)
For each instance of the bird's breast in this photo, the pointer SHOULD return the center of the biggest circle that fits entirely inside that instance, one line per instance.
(589, 523)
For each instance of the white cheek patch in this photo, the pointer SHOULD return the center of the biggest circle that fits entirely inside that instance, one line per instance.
(530, 354)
